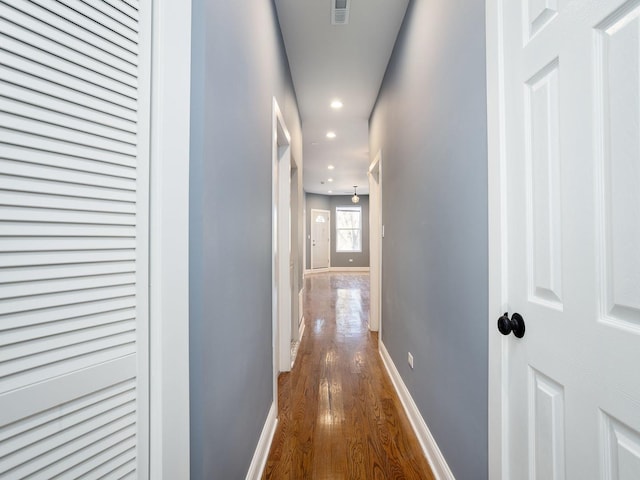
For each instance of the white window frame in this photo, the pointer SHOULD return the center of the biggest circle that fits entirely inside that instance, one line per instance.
(348, 208)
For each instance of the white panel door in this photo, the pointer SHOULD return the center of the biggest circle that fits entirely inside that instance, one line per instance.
(320, 238)
(74, 108)
(572, 110)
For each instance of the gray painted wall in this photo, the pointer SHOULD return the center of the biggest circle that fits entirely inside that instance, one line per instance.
(430, 123)
(238, 64)
(330, 202)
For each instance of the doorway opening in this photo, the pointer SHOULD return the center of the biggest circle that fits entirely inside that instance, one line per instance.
(281, 254)
(295, 274)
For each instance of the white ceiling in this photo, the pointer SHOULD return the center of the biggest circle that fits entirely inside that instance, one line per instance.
(345, 62)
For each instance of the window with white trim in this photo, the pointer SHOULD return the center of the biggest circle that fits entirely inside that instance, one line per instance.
(349, 229)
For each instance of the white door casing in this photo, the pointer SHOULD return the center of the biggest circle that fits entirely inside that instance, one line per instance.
(565, 229)
(296, 313)
(375, 241)
(320, 238)
(74, 149)
(281, 244)
(169, 445)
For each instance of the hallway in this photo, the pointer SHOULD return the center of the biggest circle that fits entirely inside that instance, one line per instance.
(339, 416)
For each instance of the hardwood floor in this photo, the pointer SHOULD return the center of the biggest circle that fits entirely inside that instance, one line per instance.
(339, 416)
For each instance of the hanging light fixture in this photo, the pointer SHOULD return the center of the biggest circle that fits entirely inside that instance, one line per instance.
(355, 198)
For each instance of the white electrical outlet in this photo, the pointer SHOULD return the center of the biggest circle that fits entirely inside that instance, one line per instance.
(410, 360)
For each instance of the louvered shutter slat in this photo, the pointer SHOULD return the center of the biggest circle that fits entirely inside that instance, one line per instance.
(54, 459)
(66, 325)
(46, 115)
(34, 20)
(64, 26)
(61, 299)
(66, 135)
(110, 305)
(43, 143)
(62, 110)
(35, 200)
(74, 99)
(19, 259)
(64, 361)
(80, 15)
(78, 60)
(37, 64)
(55, 244)
(48, 215)
(125, 8)
(60, 91)
(44, 178)
(70, 175)
(112, 14)
(119, 456)
(56, 272)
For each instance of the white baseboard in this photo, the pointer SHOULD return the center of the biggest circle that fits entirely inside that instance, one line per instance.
(336, 270)
(300, 306)
(296, 347)
(294, 353)
(316, 270)
(301, 331)
(264, 445)
(349, 269)
(438, 464)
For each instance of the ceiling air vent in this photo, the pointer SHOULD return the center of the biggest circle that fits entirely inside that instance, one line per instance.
(340, 12)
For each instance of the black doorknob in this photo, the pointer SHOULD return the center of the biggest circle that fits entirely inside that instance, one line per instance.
(514, 324)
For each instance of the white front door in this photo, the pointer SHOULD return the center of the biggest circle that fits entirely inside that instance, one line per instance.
(74, 123)
(572, 157)
(320, 238)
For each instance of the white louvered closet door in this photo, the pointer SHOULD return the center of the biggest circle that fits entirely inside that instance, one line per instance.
(74, 122)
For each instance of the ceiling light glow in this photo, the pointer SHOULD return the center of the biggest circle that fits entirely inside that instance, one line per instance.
(331, 134)
(330, 180)
(336, 104)
(331, 167)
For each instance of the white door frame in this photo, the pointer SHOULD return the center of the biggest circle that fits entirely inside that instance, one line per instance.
(498, 301)
(305, 267)
(328, 212)
(294, 251)
(375, 243)
(169, 240)
(281, 229)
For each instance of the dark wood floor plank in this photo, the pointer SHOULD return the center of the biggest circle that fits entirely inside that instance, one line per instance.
(339, 416)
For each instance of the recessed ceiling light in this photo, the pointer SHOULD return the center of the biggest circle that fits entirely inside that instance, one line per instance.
(330, 180)
(331, 167)
(330, 191)
(336, 104)
(331, 134)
